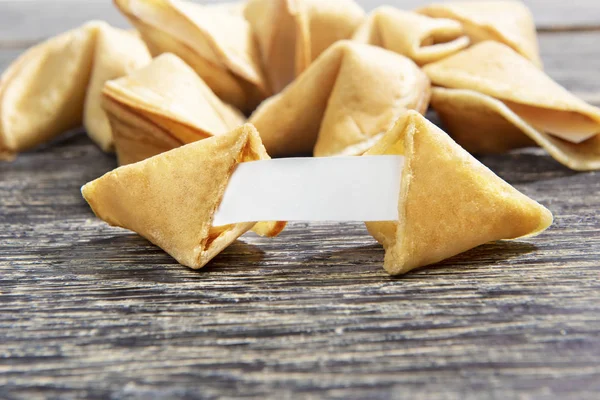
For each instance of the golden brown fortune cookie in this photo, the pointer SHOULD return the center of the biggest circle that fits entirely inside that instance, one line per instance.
(348, 98)
(418, 37)
(214, 40)
(171, 199)
(162, 106)
(291, 34)
(506, 21)
(56, 85)
(449, 202)
(492, 99)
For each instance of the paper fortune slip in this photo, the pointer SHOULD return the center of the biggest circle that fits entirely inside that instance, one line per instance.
(313, 189)
(422, 196)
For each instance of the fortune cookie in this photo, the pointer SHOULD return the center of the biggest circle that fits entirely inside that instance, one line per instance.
(56, 85)
(214, 40)
(349, 97)
(291, 34)
(506, 21)
(492, 99)
(171, 199)
(449, 201)
(162, 106)
(418, 37)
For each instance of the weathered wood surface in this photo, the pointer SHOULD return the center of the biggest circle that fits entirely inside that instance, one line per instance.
(87, 310)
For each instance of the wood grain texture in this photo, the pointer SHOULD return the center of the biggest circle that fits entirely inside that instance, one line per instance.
(26, 21)
(573, 60)
(90, 311)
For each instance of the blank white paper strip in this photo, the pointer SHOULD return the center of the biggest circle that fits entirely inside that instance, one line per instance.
(313, 189)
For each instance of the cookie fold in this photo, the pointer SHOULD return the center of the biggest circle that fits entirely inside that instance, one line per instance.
(216, 41)
(418, 37)
(506, 21)
(449, 201)
(162, 106)
(341, 105)
(56, 85)
(291, 34)
(171, 199)
(489, 94)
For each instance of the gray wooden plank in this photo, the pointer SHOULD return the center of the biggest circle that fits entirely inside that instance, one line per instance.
(87, 310)
(571, 58)
(32, 20)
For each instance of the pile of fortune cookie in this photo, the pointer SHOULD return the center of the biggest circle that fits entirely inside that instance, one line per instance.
(196, 89)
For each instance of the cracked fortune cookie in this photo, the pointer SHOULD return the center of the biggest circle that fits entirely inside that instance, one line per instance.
(418, 37)
(163, 106)
(214, 40)
(505, 21)
(56, 85)
(170, 199)
(291, 34)
(492, 99)
(350, 96)
(449, 202)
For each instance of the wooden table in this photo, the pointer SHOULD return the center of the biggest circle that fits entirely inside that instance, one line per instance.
(92, 311)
